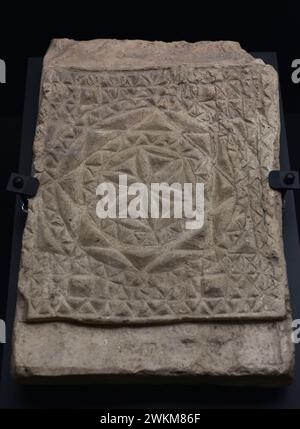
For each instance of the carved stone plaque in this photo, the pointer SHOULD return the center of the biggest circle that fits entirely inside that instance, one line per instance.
(155, 112)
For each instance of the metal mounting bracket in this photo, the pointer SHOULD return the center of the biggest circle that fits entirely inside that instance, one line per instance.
(25, 186)
(284, 180)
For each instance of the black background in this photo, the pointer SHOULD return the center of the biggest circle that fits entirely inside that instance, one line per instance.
(26, 31)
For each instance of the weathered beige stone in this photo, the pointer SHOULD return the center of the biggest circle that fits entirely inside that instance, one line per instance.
(148, 296)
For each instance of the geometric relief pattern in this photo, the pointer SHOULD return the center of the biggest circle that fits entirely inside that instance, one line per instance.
(217, 126)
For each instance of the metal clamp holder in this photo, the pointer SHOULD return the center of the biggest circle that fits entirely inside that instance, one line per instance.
(25, 186)
(284, 180)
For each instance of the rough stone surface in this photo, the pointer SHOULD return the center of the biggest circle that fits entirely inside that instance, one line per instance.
(148, 296)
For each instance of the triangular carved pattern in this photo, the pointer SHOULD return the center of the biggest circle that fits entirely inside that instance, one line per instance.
(172, 125)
